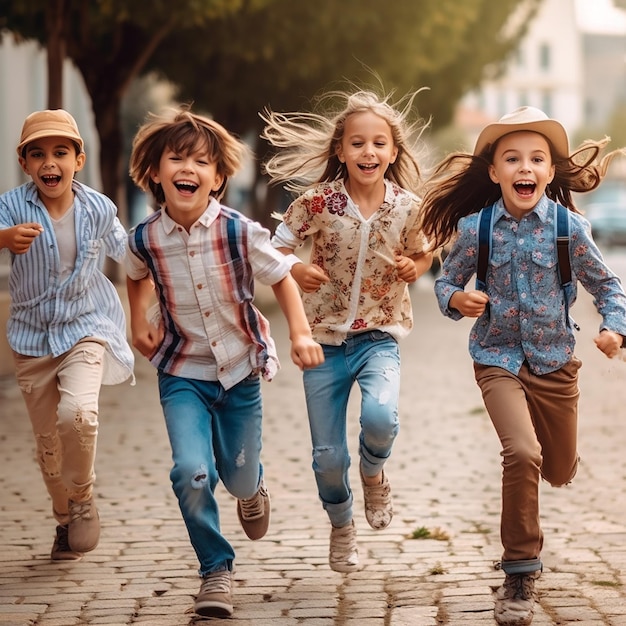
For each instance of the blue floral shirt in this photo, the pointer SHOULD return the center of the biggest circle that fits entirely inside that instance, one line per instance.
(526, 319)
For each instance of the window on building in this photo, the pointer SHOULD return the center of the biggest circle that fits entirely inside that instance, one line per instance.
(544, 56)
(546, 103)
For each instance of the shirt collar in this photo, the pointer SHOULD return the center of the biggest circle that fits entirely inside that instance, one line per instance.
(542, 209)
(206, 219)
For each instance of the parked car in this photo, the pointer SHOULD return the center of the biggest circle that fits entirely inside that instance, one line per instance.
(608, 223)
(605, 208)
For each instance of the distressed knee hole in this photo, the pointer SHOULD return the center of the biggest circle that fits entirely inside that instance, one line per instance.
(200, 477)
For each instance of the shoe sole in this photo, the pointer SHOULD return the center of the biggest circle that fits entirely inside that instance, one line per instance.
(345, 569)
(214, 609)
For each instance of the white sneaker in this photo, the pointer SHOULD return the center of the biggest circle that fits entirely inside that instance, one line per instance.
(515, 600)
(343, 555)
(378, 505)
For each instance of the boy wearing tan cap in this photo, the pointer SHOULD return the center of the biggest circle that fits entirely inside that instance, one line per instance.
(66, 325)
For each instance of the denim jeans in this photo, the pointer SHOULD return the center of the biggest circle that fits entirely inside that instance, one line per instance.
(372, 359)
(61, 395)
(214, 434)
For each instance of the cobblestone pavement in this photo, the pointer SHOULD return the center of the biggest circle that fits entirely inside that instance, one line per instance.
(445, 476)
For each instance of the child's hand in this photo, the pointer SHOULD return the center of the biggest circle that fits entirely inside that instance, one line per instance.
(609, 343)
(469, 303)
(18, 239)
(309, 277)
(306, 353)
(147, 337)
(406, 269)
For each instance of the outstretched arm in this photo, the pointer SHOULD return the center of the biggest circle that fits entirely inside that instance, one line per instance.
(305, 352)
(18, 239)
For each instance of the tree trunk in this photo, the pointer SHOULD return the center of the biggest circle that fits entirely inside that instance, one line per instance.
(55, 53)
(107, 120)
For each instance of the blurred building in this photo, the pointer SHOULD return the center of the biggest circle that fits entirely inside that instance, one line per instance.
(570, 64)
(24, 83)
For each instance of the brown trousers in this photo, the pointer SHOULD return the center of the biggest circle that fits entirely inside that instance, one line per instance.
(536, 419)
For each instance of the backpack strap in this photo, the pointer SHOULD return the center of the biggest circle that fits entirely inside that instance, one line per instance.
(484, 246)
(562, 245)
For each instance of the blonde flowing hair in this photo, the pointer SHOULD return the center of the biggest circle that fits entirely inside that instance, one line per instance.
(307, 142)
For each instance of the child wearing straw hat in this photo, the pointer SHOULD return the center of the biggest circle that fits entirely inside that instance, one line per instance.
(66, 326)
(522, 342)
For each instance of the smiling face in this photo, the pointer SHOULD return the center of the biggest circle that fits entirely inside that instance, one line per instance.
(367, 148)
(187, 181)
(522, 166)
(52, 162)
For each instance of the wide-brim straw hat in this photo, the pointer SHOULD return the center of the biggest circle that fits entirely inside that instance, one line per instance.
(528, 119)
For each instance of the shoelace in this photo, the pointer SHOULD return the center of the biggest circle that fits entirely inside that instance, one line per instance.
(344, 540)
(520, 586)
(63, 544)
(80, 510)
(378, 494)
(253, 508)
(216, 582)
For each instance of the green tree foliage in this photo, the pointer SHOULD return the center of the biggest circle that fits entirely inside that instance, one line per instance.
(234, 57)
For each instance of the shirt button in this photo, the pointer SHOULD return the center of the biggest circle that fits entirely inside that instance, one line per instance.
(199, 285)
(214, 343)
(192, 253)
(207, 313)
(523, 295)
(520, 241)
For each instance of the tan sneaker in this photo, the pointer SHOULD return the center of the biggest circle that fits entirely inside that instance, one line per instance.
(343, 554)
(378, 506)
(515, 600)
(61, 550)
(254, 513)
(215, 597)
(84, 526)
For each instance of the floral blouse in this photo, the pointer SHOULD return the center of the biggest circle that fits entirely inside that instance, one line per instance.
(358, 255)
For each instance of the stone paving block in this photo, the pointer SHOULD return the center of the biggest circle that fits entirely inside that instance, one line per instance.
(445, 472)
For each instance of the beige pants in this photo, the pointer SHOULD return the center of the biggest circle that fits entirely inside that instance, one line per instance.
(536, 418)
(61, 395)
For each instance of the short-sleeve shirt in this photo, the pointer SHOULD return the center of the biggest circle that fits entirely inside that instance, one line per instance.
(358, 255)
(205, 287)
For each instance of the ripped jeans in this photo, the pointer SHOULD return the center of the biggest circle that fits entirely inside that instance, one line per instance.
(371, 359)
(61, 395)
(214, 434)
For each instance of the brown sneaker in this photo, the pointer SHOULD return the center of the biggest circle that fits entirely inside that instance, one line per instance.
(515, 600)
(61, 550)
(84, 526)
(378, 506)
(254, 513)
(215, 596)
(343, 555)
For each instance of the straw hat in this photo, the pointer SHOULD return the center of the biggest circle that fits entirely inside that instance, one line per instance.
(529, 119)
(49, 123)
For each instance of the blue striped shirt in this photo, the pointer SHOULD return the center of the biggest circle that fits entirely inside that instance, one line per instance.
(48, 315)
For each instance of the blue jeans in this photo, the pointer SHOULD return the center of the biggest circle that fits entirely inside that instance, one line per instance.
(372, 359)
(214, 434)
